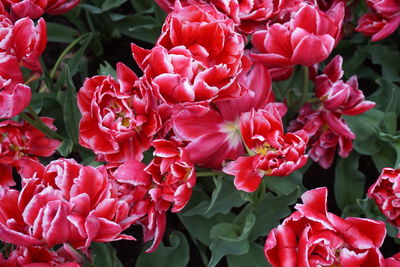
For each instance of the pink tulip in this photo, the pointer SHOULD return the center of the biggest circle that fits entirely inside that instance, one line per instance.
(339, 96)
(312, 236)
(274, 153)
(308, 38)
(36, 8)
(385, 191)
(118, 118)
(20, 141)
(382, 21)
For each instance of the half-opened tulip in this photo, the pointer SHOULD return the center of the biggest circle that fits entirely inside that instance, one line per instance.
(306, 39)
(272, 153)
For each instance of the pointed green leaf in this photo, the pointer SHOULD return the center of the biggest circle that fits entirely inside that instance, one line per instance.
(176, 255)
(104, 255)
(230, 239)
(72, 115)
(254, 258)
(349, 181)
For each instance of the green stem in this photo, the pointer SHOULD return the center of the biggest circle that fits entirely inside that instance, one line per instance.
(207, 174)
(64, 53)
(305, 86)
(36, 122)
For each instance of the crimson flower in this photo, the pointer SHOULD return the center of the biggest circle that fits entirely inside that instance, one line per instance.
(382, 21)
(20, 140)
(36, 8)
(63, 195)
(312, 236)
(197, 58)
(385, 191)
(339, 96)
(273, 152)
(306, 39)
(118, 118)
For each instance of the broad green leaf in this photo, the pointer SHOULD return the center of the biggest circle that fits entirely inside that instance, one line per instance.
(110, 4)
(224, 197)
(270, 211)
(104, 255)
(230, 239)
(65, 148)
(60, 33)
(284, 185)
(92, 9)
(142, 5)
(200, 226)
(72, 115)
(106, 69)
(386, 156)
(365, 128)
(176, 255)
(140, 27)
(352, 64)
(390, 120)
(254, 258)
(388, 57)
(349, 181)
(37, 102)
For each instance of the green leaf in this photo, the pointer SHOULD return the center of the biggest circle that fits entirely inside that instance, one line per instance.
(60, 33)
(224, 197)
(142, 5)
(72, 115)
(270, 211)
(284, 185)
(65, 148)
(385, 157)
(198, 226)
(349, 181)
(37, 102)
(176, 255)
(365, 126)
(75, 61)
(104, 255)
(388, 57)
(91, 9)
(390, 120)
(352, 64)
(110, 4)
(106, 69)
(140, 27)
(230, 239)
(254, 258)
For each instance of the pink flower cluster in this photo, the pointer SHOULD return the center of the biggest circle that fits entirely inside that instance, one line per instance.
(203, 100)
(22, 44)
(382, 20)
(324, 124)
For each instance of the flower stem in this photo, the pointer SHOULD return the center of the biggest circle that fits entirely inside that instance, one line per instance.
(64, 53)
(305, 86)
(36, 122)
